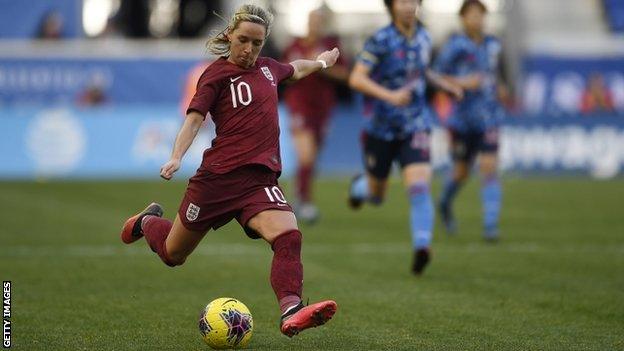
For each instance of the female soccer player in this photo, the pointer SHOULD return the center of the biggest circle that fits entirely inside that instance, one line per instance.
(471, 60)
(238, 175)
(392, 71)
(310, 103)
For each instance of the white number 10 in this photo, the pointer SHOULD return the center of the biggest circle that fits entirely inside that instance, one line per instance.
(277, 194)
(237, 94)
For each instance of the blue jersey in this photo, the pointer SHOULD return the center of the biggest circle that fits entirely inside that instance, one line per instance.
(396, 62)
(461, 56)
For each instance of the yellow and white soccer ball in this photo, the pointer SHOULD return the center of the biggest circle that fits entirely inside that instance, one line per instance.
(226, 323)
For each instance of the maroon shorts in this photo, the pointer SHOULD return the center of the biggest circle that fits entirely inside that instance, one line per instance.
(212, 200)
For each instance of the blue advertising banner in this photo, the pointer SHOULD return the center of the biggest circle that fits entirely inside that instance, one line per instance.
(59, 81)
(22, 19)
(562, 86)
(127, 142)
(133, 142)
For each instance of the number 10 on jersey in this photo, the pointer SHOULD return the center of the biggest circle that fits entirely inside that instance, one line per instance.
(240, 94)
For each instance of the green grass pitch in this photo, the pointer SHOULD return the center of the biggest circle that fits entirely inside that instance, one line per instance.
(555, 281)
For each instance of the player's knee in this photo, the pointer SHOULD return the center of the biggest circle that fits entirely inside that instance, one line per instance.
(418, 188)
(177, 261)
(488, 173)
(287, 242)
(487, 178)
(175, 258)
(462, 177)
(460, 174)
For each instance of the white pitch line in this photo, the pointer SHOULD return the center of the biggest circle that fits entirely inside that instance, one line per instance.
(222, 249)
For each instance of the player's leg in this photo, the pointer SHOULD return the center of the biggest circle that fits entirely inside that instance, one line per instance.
(172, 242)
(461, 154)
(491, 193)
(453, 183)
(417, 179)
(414, 159)
(279, 228)
(371, 187)
(306, 148)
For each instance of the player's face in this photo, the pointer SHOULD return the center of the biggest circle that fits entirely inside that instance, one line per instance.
(246, 41)
(405, 11)
(473, 20)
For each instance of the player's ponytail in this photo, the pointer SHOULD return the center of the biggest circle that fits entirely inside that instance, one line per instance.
(218, 44)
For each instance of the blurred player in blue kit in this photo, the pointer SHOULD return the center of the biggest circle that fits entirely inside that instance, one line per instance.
(392, 72)
(471, 60)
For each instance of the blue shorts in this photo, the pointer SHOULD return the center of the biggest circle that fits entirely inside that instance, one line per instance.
(465, 146)
(379, 154)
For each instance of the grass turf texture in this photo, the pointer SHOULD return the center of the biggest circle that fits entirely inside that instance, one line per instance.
(555, 281)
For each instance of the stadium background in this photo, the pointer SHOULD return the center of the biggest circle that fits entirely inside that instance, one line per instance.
(90, 104)
(103, 100)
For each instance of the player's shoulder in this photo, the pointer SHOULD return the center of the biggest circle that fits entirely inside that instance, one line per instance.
(267, 61)
(423, 33)
(492, 40)
(383, 34)
(214, 71)
(459, 39)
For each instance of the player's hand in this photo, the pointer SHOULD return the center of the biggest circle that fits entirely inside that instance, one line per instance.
(472, 82)
(169, 168)
(330, 57)
(456, 92)
(400, 97)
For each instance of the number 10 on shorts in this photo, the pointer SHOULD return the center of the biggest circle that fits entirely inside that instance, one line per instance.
(275, 194)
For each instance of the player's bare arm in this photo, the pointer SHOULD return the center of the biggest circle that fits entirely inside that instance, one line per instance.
(451, 86)
(360, 80)
(183, 141)
(467, 82)
(303, 68)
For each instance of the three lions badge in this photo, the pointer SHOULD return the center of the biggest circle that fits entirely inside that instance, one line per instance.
(192, 212)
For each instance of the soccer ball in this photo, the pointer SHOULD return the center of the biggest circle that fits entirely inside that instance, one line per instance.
(226, 323)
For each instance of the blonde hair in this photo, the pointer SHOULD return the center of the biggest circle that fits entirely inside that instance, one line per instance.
(219, 44)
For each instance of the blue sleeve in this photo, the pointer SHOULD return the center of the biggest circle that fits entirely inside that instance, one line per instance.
(372, 53)
(445, 59)
(428, 46)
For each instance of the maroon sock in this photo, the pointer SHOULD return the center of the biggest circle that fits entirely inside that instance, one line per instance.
(304, 183)
(156, 230)
(286, 269)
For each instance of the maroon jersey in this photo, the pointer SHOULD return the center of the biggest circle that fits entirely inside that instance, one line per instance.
(243, 106)
(313, 96)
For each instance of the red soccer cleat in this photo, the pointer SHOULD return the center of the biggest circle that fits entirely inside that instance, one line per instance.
(132, 231)
(303, 317)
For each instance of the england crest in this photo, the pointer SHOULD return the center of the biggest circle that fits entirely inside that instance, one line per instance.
(192, 212)
(267, 73)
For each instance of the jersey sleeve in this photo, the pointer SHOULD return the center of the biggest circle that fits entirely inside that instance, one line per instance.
(282, 71)
(372, 53)
(444, 61)
(206, 94)
(428, 47)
